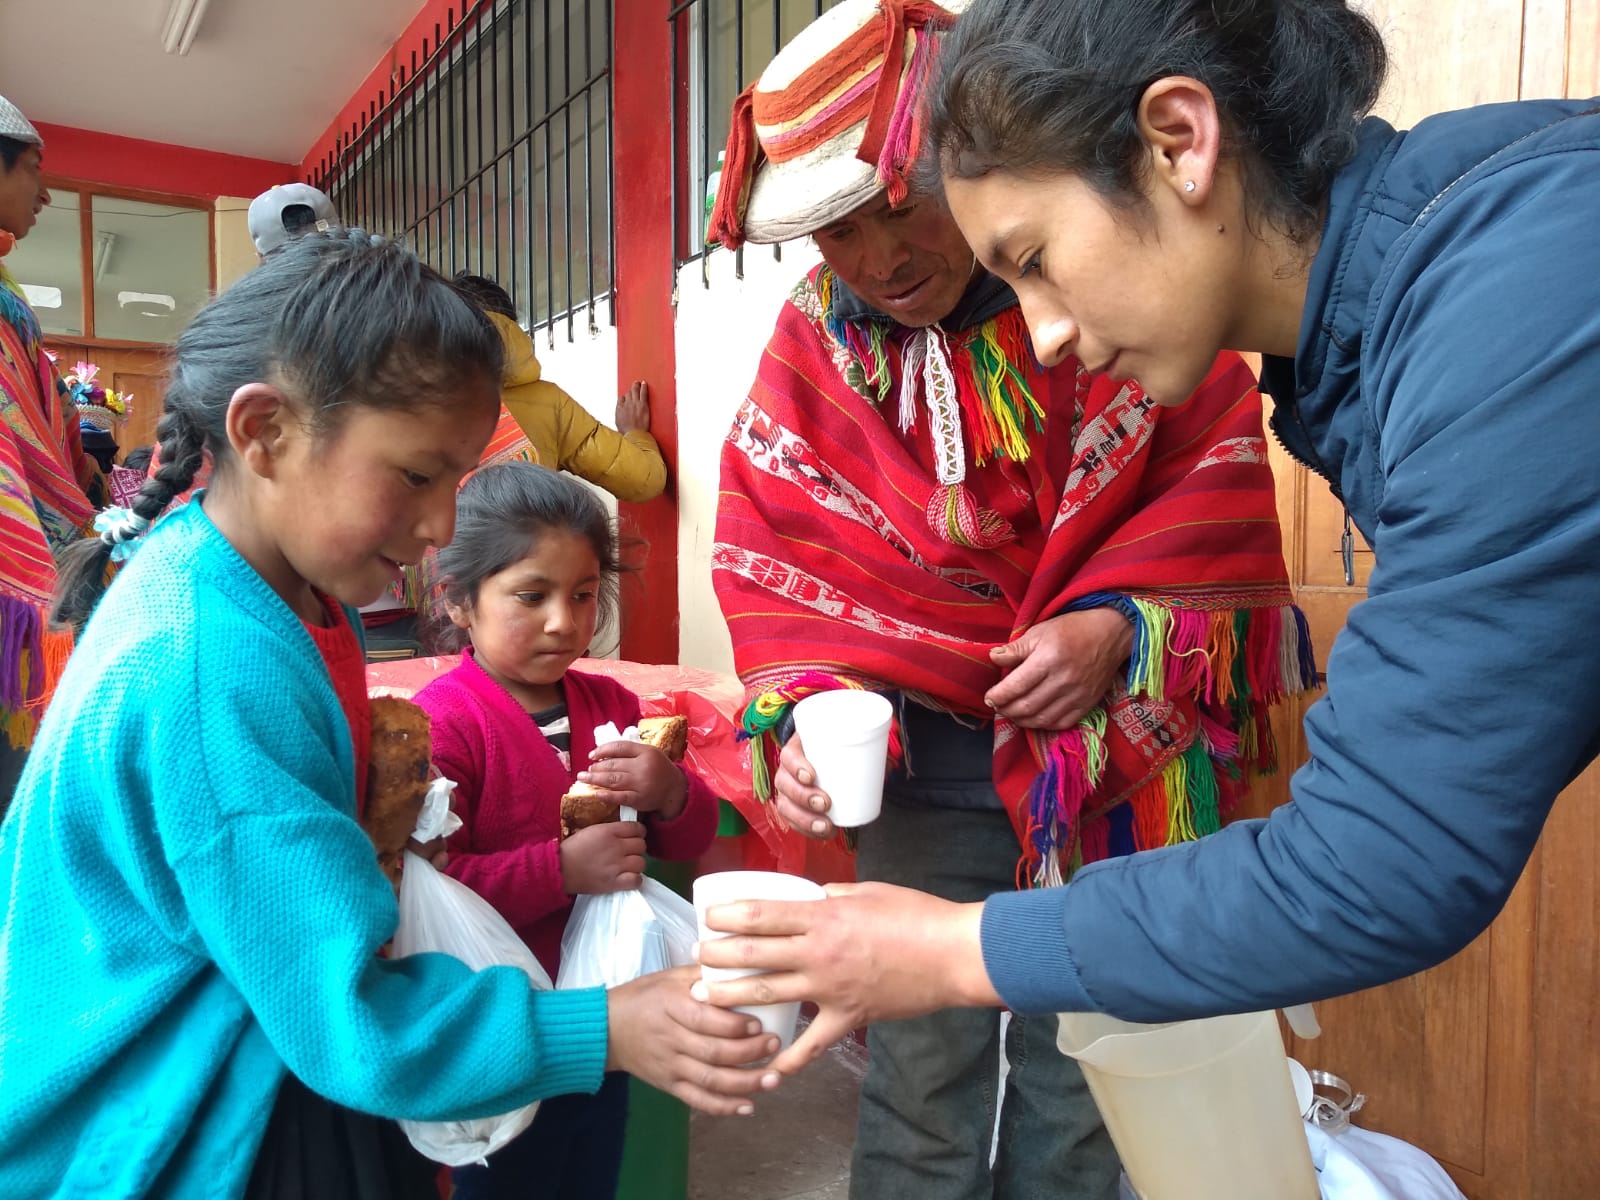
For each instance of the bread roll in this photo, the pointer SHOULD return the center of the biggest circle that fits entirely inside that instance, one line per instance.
(670, 735)
(583, 806)
(397, 777)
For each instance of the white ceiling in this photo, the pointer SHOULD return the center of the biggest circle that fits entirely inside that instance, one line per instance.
(264, 78)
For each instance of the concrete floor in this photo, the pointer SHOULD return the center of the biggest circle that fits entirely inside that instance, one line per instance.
(796, 1146)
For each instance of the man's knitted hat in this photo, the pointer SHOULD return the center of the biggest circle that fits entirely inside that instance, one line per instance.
(833, 120)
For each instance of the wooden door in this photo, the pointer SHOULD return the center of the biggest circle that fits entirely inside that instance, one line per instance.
(1491, 1061)
(140, 370)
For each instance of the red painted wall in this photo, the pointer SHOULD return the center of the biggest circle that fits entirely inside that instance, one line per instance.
(646, 347)
(155, 166)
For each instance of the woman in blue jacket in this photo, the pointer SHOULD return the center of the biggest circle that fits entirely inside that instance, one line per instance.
(1162, 179)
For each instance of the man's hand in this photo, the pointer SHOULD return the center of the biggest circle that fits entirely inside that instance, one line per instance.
(1057, 671)
(794, 791)
(603, 858)
(639, 776)
(633, 409)
(869, 952)
(698, 1053)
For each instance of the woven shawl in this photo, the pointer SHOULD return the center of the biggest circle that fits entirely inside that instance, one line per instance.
(49, 490)
(832, 570)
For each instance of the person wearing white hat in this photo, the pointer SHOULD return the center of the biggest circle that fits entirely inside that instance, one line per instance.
(49, 488)
(1031, 562)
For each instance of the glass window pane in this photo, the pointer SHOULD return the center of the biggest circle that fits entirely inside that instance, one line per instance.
(48, 264)
(152, 268)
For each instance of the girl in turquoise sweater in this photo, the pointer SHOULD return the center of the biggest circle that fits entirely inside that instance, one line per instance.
(192, 999)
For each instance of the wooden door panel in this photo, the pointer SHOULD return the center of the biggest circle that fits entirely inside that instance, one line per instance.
(1446, 54)
(1565, 1148)
(1324, 540)
(148, 392)
(1583, 48)
(140, 370)
(1418, 1050)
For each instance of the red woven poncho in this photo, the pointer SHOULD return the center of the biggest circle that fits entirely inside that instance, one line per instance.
(836, 565)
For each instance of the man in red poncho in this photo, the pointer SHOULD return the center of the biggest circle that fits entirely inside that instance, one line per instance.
(49, 488)
(1077, 599)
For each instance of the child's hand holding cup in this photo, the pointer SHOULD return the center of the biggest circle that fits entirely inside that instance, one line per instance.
(845, 737)
(730, 887)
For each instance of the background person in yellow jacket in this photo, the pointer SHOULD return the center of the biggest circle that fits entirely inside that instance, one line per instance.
(565, 436)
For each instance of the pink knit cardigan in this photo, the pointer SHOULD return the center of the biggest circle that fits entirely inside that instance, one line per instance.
(509, 799)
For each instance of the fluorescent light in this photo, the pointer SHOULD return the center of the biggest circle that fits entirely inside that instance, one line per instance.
(103, 241)
(147, 304)
(42, 297)
(183, 22)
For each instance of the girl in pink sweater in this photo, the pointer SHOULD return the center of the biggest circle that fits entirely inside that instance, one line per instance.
(530, 572)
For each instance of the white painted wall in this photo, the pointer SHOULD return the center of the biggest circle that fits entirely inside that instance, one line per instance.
(721, 332)
(236, 253)
(586, 368)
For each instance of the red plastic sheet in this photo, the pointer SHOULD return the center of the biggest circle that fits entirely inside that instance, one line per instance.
(711, 701)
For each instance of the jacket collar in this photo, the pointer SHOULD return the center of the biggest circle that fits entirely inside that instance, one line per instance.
(1325, 369)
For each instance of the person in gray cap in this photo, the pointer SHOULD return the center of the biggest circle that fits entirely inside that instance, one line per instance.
(49, 488)
(285, 212)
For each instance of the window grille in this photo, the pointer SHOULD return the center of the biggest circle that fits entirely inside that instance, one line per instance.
(492, 153)
(720, 46)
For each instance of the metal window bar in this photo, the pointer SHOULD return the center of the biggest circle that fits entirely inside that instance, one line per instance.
(719, 47)
(425, 157)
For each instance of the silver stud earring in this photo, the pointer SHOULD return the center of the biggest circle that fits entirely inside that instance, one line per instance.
(1189, 186)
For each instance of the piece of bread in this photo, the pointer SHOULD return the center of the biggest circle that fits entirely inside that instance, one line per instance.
(583, 806)
(670, 735)
(397, 777)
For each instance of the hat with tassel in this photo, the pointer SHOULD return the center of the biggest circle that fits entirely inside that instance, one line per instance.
(831, 122)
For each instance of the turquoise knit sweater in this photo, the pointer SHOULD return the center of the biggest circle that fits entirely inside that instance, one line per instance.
(191, 908)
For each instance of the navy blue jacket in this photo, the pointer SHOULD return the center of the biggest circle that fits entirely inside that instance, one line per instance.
(1447, 384)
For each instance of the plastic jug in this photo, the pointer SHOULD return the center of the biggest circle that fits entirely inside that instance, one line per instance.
(1199, 1110)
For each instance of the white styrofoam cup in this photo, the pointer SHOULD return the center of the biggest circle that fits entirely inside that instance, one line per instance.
(845, 736)
(728, 887)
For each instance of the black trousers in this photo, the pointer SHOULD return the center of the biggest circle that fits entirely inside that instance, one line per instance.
(318, 1150)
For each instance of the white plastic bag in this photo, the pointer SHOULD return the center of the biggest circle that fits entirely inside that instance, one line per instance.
(619, 936)
(1357, 1164)
(438, 913)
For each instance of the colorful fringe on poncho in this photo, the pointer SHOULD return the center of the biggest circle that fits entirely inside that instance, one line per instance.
(836, 566)
(49, 490)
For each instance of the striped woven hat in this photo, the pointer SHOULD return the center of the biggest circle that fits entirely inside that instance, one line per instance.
(831, 122)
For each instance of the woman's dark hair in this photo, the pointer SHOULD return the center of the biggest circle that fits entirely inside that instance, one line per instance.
(137, 459)
(337, 321)
(1040, 86)
(11, 150)
(501, 512)
(486, 294)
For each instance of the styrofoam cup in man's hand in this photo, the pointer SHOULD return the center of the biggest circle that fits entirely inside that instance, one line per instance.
(845, 736)
(729, 887)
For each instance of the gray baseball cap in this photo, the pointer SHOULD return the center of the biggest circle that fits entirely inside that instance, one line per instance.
(16, 126)
(283, 213)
